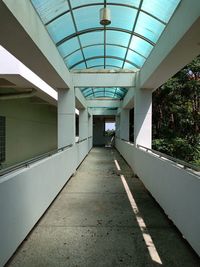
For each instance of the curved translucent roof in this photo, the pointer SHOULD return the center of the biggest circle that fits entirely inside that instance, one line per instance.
(83, 42)
(96, 93)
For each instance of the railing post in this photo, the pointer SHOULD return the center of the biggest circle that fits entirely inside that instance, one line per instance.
(66, 117)
(143, 117)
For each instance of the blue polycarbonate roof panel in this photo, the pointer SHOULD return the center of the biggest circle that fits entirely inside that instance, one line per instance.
(141, 46)
(74, 58)
(135, 58)
(47, 12)
(79, 66)
(69, 47)
(134, 3)
(117, 37)
(129, 66)
(135, 25)
(56, 29)
(115, 62)
(115, 51)
(86, 17)
(149, 27)
(94, 51)
(76, 3)
(96, 37)
(160, 9)
(92, 93)
(96, 61)
(121, 17)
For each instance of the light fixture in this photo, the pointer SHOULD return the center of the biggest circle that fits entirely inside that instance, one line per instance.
(105, 18)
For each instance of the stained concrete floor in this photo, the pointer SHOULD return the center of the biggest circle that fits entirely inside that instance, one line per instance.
(91, 223)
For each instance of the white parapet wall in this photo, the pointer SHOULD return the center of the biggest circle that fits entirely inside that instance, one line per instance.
(175, 189)
(25, 194)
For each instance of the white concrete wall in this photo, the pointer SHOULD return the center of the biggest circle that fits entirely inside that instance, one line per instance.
(27, 193)
(175, 189)
(31, 129)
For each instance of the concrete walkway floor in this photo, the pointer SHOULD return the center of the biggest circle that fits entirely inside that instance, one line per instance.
(92, 223)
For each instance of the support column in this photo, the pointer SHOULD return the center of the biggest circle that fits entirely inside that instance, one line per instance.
(143, 117)
(66, 117)
(117, 126)
(90, 126)
(90, 132)
(124, 124)
(83, 124)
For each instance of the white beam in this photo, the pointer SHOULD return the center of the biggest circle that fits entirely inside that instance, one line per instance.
(13, 70)
(80, 99)
(178, 45)
(103, 103)
(23, 34)
(102, 111)
(103, 79)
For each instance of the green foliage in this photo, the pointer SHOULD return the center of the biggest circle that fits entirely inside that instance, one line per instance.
(176, 115)
(109, 132)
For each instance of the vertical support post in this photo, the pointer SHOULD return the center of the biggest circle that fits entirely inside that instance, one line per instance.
(90, 132)
(117, 126)
(90, 125)
(143, 117)
(124, 124)
(83, 124)
(66, 117)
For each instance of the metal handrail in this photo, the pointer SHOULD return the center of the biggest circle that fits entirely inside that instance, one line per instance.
(174, 160)
(82, 140)
(26, 163)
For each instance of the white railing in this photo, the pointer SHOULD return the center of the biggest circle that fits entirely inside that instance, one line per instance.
(27, 189)
(174, 185)
(178, 162)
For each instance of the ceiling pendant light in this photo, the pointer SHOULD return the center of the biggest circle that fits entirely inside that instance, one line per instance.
(105, 18)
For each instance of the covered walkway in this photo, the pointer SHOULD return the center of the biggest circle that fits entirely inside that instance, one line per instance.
(95, 221)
